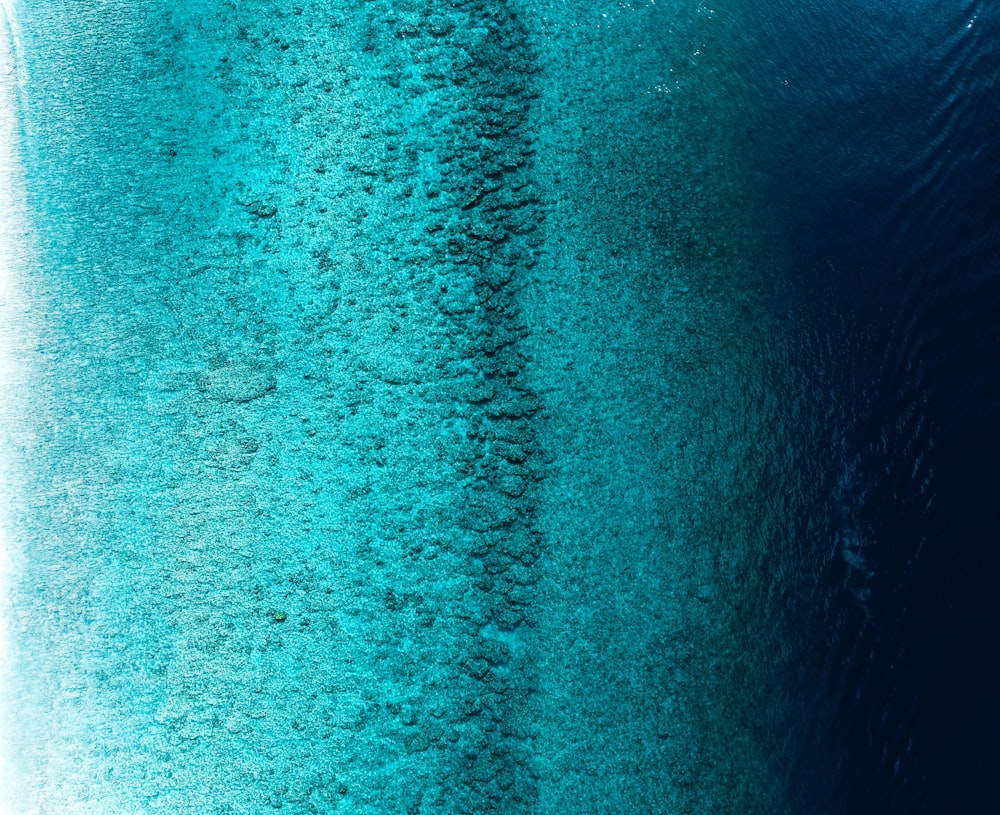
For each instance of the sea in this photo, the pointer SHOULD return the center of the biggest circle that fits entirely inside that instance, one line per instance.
(499, 406)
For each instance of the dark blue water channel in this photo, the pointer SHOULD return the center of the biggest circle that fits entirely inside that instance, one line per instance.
(877, 146)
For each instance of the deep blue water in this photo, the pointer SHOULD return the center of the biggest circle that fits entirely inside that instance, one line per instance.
(880, 155)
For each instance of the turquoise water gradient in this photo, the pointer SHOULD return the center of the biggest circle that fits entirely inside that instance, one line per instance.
(394, 374)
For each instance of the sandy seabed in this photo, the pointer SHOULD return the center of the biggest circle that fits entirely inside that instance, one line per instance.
(391, 416)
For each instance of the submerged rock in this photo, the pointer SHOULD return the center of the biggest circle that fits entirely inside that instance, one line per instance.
(236, 383)
(262, 209)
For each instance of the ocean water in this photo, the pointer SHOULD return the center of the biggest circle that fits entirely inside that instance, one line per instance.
(498, 407)
(880, 162)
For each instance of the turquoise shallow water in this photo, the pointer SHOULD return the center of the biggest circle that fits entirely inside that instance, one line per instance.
(392, 412)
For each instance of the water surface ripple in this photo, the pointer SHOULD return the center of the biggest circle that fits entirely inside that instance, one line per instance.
(880, 157)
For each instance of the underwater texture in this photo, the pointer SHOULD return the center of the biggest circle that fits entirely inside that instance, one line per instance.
(517, 407)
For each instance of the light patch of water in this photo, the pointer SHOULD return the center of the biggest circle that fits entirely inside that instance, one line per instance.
(12, 231)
